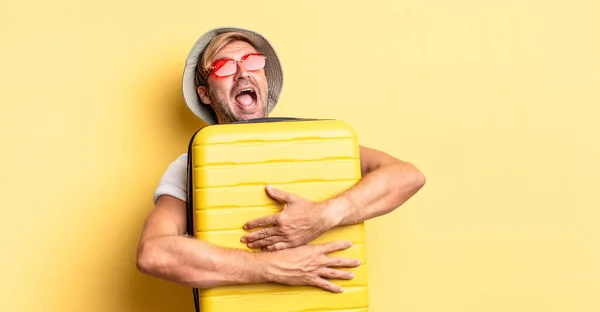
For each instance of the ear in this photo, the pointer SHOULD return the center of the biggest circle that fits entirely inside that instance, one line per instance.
(203, 93)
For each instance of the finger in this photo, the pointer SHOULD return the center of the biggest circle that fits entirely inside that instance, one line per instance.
(336, 274)
(261, 222)
(260, 234)
(334, 246)
(266, 242)
(279, 195)
(278, 246)
(341, 262)
(327, 285)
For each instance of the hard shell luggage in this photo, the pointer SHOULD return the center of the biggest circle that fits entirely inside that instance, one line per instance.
(229, 166)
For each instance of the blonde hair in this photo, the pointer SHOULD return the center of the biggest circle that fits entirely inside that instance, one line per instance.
(216, 44)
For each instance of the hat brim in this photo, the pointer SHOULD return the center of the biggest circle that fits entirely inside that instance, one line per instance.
(273, 71)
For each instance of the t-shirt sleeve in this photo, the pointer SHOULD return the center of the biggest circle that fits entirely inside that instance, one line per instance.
(174, 180)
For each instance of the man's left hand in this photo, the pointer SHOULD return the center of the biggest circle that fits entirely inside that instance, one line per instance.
(300, 222)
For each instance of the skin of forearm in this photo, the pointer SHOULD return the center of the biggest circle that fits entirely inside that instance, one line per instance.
(377, 193)
(195, 263)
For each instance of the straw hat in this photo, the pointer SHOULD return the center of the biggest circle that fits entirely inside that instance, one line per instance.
(273, 71)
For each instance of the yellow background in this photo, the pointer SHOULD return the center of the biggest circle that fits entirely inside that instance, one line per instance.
(496, 101)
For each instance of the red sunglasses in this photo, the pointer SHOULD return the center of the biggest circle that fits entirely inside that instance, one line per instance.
(228, 67)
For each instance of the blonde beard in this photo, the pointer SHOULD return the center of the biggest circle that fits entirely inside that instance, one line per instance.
(223, 112)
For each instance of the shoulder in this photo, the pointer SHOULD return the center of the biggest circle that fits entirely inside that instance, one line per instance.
(181, 160)
(178, 167)
(174, 180)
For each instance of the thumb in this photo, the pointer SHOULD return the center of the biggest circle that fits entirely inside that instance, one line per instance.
(279, 195)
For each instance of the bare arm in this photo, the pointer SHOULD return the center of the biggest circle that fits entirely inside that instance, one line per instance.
(165, 252)
(387, 183)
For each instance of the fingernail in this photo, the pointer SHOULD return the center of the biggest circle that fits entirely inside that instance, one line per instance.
(357, 262)
(351, 275)
(243, 240)
(341, 290)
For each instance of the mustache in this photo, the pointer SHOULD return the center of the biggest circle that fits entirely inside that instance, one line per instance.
(244, 84)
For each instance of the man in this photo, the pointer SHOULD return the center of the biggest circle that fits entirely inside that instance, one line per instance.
(234, 74)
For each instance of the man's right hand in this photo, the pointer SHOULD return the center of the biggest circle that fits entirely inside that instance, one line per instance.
(309, 265)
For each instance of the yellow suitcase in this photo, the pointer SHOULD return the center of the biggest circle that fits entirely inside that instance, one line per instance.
(229, 166)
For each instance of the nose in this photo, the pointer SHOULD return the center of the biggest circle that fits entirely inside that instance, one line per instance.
(241, 71)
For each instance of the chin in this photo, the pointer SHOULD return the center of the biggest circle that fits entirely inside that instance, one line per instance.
(248, 117)
(245, 115)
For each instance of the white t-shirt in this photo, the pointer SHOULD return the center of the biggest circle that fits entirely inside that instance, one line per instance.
(174, 180)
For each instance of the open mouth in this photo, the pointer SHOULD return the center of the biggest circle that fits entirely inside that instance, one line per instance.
(246, 97)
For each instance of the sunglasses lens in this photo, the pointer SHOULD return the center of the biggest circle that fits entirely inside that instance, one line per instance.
(224, 67)
(254, 62)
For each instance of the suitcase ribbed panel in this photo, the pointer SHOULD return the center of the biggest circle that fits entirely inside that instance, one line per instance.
(233, 163)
